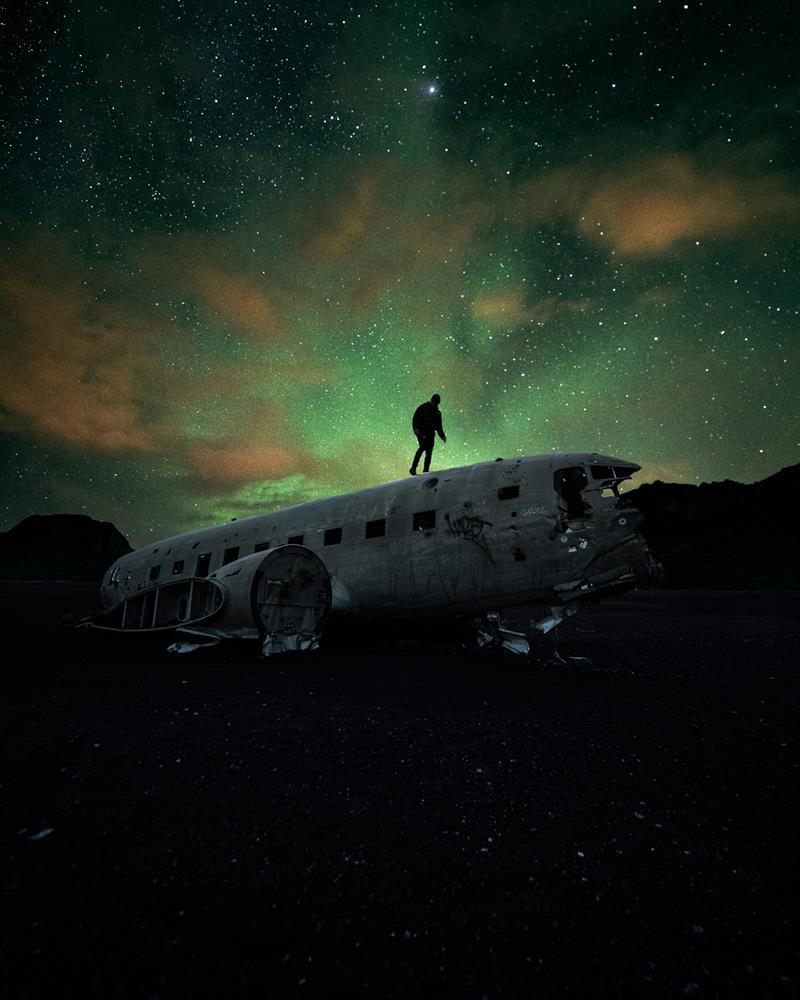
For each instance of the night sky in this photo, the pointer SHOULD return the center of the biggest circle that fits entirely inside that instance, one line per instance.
(241, 241)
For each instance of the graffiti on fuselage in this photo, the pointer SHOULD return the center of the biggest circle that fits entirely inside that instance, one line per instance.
(471, 529)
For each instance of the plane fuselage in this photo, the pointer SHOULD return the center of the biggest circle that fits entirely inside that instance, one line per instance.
(453, 542)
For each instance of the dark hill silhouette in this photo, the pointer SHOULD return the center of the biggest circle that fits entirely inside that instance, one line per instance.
(60, 547)
(724, 535)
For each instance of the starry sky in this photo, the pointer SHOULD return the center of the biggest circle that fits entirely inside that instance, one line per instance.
(241, 241)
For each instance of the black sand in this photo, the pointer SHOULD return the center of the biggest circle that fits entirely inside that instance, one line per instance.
(404, 818)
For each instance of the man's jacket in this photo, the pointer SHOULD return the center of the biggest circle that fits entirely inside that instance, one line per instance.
(427, 420)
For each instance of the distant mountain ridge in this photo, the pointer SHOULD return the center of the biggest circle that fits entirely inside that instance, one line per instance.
(724, 535)
(60, 547)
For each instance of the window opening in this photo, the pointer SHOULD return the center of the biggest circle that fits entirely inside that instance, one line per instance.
(203, 564)
(424, 520)
(508, 492)
(375, 529)
(155, 572)
(295, 539)
(568, 484)
(177, 567)
(333, 536)
(261, 547)
(231, 555)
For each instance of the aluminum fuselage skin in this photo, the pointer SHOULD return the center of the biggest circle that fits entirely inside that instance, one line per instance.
(459, 541)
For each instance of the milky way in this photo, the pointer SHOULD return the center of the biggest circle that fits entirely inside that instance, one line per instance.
(242, 241)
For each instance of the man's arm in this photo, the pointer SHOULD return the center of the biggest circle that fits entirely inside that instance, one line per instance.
(439, 429)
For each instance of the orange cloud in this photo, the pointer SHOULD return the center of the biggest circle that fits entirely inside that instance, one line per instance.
(660, 295)
(644, 208)
(347, 224)
(211, 271)
(95, 357)
(71, 369)
(238, 299)
(255, 443)
(367, 241)
(510, 308)
(228, 465)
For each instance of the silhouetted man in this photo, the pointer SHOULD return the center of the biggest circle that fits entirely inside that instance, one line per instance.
(426, 423)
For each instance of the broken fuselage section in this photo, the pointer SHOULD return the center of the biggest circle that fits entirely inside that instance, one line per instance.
(549, 531)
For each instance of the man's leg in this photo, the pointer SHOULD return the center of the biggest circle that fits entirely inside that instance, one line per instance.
(413, 469)
(428, 452)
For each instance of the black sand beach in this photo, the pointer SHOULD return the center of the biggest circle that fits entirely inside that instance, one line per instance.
(404, 818)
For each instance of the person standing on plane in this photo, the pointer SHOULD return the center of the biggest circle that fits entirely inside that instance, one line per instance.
(426, 424)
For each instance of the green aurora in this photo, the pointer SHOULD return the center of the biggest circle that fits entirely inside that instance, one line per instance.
(243, 241)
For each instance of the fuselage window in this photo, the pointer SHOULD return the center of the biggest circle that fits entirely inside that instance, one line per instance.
(333, 536)
(261, 547)
(155, 572)
(424, 520)
(295, 540)
(177, 567)
(231, 555)
(508, 492)
(375, 529)
(203, 564)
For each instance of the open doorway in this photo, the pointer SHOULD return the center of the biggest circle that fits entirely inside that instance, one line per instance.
(569, 485)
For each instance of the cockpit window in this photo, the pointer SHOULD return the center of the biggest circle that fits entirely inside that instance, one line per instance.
(608, 472)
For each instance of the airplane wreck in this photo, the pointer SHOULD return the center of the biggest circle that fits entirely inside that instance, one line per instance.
(548, 531)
